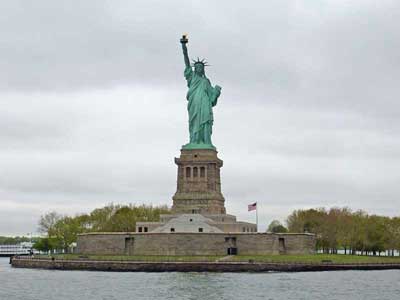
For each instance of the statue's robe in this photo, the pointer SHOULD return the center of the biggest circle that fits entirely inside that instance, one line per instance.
(201, 98)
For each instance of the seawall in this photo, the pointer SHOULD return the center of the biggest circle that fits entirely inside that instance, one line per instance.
(131, 266)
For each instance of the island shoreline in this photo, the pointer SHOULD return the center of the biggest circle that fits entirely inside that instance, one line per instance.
(218, 267)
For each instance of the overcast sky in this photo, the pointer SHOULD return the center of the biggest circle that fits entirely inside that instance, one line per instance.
(93, 108)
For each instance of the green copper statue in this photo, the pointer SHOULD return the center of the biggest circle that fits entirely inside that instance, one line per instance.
(201, 98)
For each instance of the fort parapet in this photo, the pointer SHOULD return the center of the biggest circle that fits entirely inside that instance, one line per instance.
(195, 243)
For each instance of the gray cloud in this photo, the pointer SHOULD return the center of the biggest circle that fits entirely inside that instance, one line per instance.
(92, 106)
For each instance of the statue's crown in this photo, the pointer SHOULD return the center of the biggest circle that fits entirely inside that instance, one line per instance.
(198, 61)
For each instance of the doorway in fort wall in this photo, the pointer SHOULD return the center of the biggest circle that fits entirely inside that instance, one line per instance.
(282, 246)
(129, 245)
(230, 242)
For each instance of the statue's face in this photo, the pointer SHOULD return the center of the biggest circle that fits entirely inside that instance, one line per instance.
(199, 69)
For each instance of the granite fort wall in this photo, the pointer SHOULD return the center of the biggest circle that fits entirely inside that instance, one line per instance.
(194, 243)
(190, 266)
(102, 243)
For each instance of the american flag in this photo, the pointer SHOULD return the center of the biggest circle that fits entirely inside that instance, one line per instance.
(251, 207)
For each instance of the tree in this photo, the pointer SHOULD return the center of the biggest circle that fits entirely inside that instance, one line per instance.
(312, 221)
(45, 244)
(114, 218)
(100, 217)
(66, 231)
(276, 227)
(48, 221)
(375, 229)
(392, 234)
(344, 229)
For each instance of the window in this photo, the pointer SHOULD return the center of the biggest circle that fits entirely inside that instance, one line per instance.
(191, 220)
(146, 229)
(244, 229)
(200, 229)
(193, 211)
(202, 172)
(140, 229)
(188, 172)
(172, 229)
(226, 239)
(195, 171)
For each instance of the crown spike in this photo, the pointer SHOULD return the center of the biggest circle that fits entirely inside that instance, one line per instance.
(202, 61)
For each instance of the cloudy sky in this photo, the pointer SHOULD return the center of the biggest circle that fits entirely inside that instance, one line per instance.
(93, 109)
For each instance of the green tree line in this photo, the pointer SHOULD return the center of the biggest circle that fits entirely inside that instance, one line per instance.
(61, 231)
(352, 231)
(8, 240)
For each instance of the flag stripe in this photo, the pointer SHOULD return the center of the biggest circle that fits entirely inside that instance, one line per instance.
(253, 206)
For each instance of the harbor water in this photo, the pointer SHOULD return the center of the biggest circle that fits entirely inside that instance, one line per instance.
(33, 284)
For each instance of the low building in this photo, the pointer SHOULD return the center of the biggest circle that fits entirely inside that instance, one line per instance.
(196, 223)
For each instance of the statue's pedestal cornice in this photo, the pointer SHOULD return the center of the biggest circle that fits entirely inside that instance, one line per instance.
(192, 146)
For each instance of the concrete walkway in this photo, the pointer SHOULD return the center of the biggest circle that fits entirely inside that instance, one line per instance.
(225, 258)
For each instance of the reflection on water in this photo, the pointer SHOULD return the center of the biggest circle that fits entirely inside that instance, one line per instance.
(26, 284)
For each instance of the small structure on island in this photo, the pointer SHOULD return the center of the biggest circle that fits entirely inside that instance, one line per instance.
(198, 224)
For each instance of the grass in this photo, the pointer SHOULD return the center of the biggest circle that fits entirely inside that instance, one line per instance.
(151, 258)
(317, 258)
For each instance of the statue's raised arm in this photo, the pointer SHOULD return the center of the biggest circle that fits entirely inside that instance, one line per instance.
(184, 41)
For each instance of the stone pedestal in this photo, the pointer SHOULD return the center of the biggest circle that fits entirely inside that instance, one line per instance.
(199, 183)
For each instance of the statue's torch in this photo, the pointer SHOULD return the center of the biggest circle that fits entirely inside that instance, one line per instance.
(184, 39)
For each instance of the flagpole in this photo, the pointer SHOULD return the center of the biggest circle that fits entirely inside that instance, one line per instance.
(256, 217)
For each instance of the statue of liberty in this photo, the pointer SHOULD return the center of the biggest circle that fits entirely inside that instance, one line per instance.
(201, 98)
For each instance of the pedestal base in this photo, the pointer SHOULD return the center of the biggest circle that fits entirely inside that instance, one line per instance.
(199, 183)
